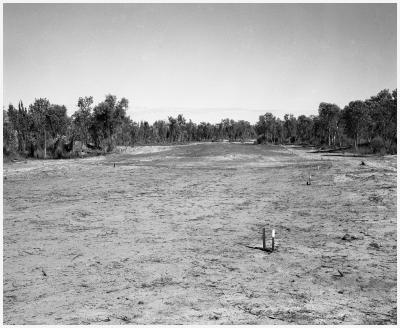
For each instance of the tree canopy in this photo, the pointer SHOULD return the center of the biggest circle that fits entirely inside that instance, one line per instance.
(46, 127)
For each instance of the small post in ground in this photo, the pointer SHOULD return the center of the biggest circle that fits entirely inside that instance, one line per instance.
(273, 239)
(263, 237)
(309, 179)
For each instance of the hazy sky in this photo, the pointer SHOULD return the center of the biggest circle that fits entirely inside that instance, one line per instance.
(207, 61)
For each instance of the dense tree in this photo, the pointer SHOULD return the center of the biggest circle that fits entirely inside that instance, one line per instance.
(290, 128)
(181, 122)
(45, 126)
(10, 138)
(329, 120)
(305, 128)
(160, 130)
(173, 127)
(355, 116)
(382, 120)
(279, 130)
(82, 118)
(39, 112)
(267, 127)
(20, 121)
(108, 117)
(57, 120)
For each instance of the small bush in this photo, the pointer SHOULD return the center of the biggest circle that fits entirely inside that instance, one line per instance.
(363, 150)
(378, 146)
(393, 148)
(38, 153)
(60, 153)
(261, 139)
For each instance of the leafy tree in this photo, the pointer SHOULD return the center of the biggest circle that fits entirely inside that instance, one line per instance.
(10, 138)
(39, 111)
(266, 126)
(290, 127)
(82, 118)
(304, 128)
(329, 119)
(261, 126)
(355, 116)
(14, 129)
(160, 130)
(279, 130)
(107, 125)
(382, 110)
(173, 127)
(57, 120)
(23, 127)
(107, 119)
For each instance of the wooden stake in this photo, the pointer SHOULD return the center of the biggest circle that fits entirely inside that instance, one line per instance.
(263, 237)
(273, 239)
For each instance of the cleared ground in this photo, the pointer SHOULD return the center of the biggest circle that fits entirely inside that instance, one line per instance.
(167, 236)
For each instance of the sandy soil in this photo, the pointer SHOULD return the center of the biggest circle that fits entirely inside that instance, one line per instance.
(170, 235)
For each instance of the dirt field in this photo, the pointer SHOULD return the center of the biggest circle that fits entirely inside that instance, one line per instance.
(167, 236)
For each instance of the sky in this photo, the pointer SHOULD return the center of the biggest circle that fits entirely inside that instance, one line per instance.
(206, 61)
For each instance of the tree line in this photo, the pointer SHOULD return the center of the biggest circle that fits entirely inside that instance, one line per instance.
(45, 130)
(370, 124)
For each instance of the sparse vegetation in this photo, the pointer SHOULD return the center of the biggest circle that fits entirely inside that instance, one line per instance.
(172, 235)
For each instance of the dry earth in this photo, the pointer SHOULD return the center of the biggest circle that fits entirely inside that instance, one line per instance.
(168, 236)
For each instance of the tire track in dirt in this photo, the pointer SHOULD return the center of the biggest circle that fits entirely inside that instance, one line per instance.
(164, 239)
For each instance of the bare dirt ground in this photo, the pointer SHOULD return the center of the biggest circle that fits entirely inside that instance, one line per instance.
(167, 235)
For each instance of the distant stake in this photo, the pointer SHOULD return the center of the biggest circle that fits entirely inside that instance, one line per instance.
(273, 239)
(263, 237)
(114, 164)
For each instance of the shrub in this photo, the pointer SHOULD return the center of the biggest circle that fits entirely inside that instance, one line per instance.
(261, 139)
(363, 150)
(393, 148)
(378, 146)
